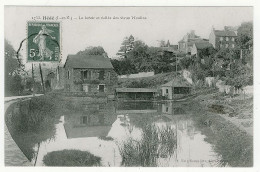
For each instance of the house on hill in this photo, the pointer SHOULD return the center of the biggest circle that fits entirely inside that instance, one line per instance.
(199, 46)
(223, 38)
(186, 44)
(90, 74)
(177, 88)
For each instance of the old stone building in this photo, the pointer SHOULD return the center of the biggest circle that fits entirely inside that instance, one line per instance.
(223, 38)
(186, 44)
(90, 74)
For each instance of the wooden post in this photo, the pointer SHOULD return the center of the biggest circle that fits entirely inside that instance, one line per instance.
(43, 88)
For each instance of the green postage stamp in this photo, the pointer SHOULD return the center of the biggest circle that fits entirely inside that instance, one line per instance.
(43, 42)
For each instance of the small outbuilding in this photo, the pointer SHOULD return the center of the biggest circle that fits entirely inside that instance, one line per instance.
(136, 93)
(177, 88)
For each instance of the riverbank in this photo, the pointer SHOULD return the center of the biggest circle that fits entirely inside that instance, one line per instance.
(13, 155)
(222, 119)
(237, 109)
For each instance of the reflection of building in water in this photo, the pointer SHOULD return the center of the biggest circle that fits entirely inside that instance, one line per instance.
(94, 120)
(136, 107)
(172, 108)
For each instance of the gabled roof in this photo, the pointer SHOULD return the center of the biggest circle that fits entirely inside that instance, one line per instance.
(224, 33)
(202, 45)
(88, 61)
(178, 81)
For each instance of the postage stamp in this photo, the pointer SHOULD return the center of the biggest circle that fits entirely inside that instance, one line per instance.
(43, 41)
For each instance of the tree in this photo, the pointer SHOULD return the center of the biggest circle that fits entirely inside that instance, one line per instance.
(239, 75)
(29, 83)
(93, 51)
(12, 69)
(126, 46)
(138, 55)
(245, 35)
(123, 66)
(16, 86)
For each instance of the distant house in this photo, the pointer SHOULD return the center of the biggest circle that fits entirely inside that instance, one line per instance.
(198, 46)
(186, 44)
(177, 88)
(223, 38)
(89, 73)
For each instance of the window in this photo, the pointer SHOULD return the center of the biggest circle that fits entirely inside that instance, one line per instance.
(108, 76)
(233, 45)
(68, 74)
(233, 39)
(85, 74)
(167, 109)
(101, 88)
(84, 119)
(221, 38)
(227, 39)
(226, 45)
(167, 91)
(101, 75)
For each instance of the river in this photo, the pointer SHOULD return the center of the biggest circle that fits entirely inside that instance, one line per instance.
(186, 138)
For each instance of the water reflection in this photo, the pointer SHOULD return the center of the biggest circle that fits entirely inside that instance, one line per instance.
(142, 134)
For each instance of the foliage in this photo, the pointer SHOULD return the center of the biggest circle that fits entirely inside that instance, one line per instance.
(93, 51)
(71, 158)
(123, 66)
(185, 62)
(12, 68)
(245, 35)
(239, 75)
(155, 143)
(16, 86)
(29, 83)
(126, 46)
(142, 58)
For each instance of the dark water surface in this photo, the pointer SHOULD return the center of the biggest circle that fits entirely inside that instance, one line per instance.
(172, 134)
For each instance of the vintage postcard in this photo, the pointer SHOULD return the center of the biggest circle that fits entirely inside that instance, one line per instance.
(128, 86)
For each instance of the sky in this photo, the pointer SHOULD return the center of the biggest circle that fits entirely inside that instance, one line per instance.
(158, 23)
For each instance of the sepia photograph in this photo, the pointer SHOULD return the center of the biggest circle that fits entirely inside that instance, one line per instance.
(128, 86)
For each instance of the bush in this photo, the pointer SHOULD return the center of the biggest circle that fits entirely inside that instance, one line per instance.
(71, 158)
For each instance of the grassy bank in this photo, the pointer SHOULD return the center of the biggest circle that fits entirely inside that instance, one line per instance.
(238, 109)
(71, 158)
(233, 143)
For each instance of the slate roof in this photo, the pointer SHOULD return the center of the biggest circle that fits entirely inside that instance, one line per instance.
(136, 90)
(202, 45)
(88, 61)
(224, 33)
(177, 82)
